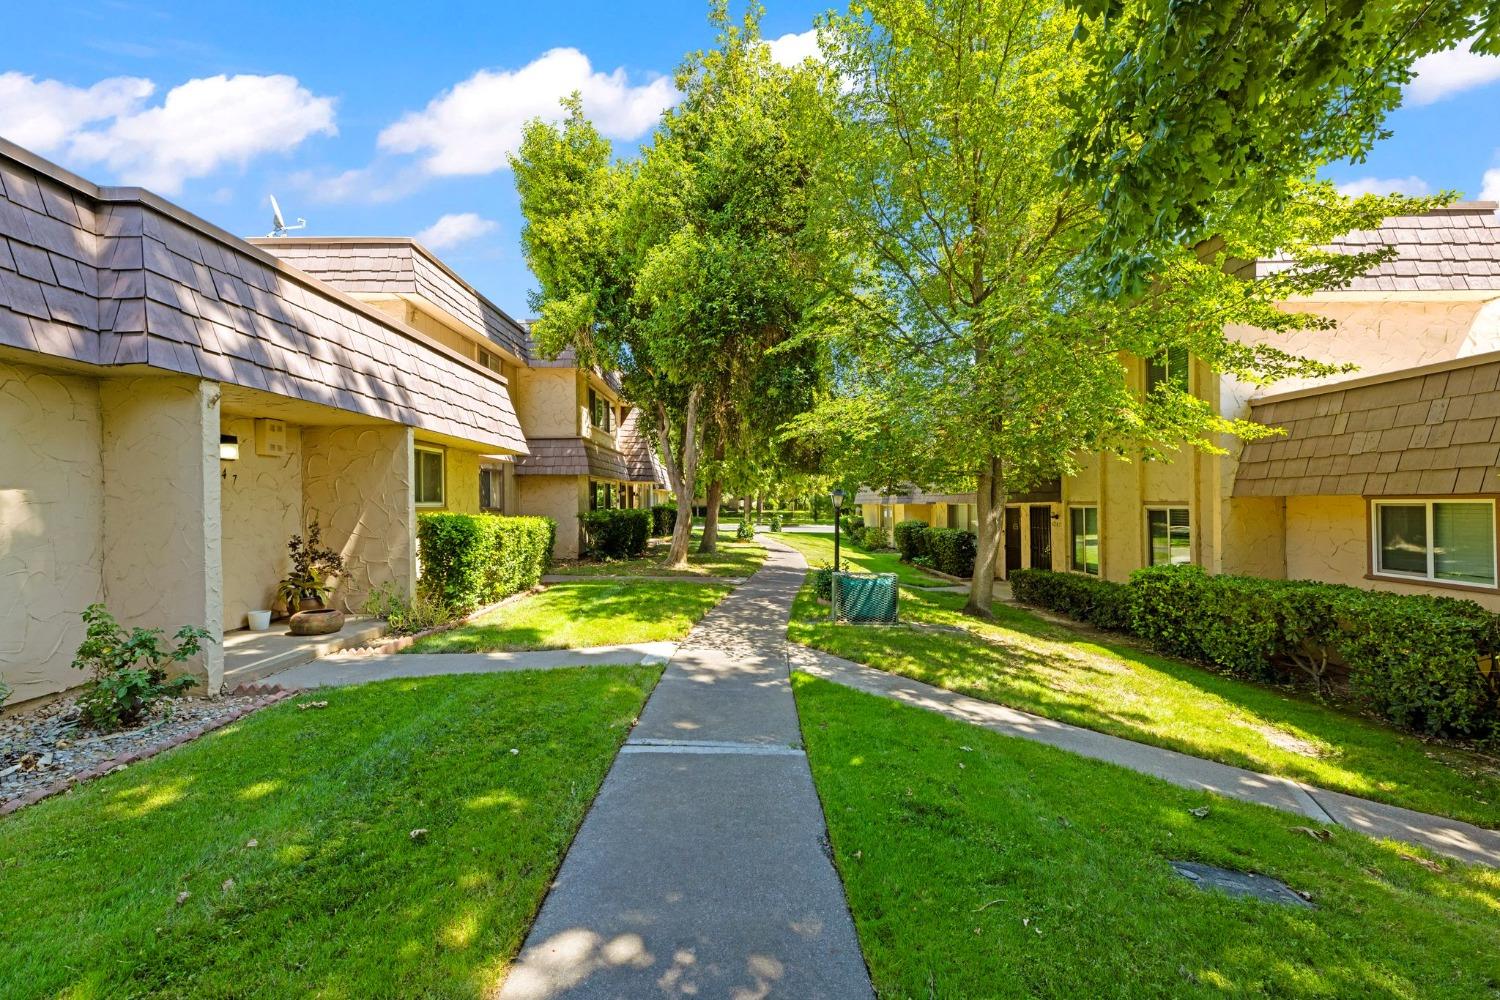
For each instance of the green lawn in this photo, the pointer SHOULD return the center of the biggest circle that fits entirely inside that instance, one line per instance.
(586, 613)
(1030, 664)
(818, 551)
(982, 866)
(335, 899)
(733, 559)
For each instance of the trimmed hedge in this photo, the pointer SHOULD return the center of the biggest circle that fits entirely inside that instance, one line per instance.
(621, 533)
(473, 559)
(1412, 658)
(911, 539)
(1089, 599)
(952, 550)
(663, 517)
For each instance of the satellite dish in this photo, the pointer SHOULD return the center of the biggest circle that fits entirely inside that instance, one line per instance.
(278, 224)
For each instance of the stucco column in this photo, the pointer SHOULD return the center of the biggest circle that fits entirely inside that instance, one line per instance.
(162, 566)
(357, 484)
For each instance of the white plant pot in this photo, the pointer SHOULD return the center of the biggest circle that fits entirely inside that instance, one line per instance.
(259, 620)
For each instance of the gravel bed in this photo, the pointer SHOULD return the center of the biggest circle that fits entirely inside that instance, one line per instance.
(50, 745)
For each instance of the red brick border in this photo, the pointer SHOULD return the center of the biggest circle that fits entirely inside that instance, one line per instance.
(272, 696)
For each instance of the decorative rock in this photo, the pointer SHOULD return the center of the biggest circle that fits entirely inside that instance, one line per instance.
(323, 622)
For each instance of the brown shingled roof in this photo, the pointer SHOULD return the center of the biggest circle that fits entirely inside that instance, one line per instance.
(571, 457)
(641, 463)
(1431, 430)
(1456, 248)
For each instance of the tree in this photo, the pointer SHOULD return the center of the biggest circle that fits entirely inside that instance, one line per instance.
(1190, 112)
(979, 352)
(699, 253)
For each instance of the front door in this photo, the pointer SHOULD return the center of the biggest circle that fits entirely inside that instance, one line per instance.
(1012, 540)
(1041, 538)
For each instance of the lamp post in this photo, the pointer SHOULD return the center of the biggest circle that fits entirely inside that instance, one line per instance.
(837, 496)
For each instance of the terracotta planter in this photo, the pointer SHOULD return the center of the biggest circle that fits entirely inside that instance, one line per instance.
(324, 621)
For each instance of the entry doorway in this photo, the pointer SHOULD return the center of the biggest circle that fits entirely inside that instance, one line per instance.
(1012, 540)
(1041, 537)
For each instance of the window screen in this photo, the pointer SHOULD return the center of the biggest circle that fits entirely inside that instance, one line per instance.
(1083, 530)
(1170, 538)
(429, 476)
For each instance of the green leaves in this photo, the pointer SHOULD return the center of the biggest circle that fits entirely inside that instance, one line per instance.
(129, 669)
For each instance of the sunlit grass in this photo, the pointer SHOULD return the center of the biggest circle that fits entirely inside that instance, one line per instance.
(1030, 664)
(733, 559)
(818, 550)
(586, 613)
(334, 897)
(981, 866)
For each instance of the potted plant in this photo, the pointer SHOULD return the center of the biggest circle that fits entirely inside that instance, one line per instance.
(307, 586)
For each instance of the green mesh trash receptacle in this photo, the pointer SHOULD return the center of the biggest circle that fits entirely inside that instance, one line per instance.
(864, 598)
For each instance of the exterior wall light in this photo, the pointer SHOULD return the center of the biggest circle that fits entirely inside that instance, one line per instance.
(229, 448)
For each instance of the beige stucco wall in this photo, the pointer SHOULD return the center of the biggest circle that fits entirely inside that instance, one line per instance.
(357, 483)
(162, 566)
(561, 498)
(261, 501)
(547, 402)
(51, 524)
(1327, 539)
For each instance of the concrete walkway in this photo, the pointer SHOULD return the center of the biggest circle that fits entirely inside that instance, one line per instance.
(337, 671)
(1439, 834)
(701, 869)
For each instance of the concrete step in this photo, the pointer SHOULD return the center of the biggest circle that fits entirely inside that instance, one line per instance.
(251, 656)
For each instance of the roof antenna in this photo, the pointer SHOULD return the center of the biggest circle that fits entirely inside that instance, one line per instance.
(278, 224)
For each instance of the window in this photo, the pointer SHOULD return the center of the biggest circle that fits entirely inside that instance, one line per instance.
(1083, 539)
(429, 475)
(1168, 367)
(1452, 541)
(601, 413)
(491, 489)
(601, 495)
(1169, 536)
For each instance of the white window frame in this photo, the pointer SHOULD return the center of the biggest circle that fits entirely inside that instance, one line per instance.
(1098, 534)
(442, 475)
(1431, 575)
(1169, 507)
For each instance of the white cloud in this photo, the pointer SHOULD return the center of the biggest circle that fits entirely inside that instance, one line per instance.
(1443, 74)
(1410, 186)
(1490, 186)
(44, 115)
(455, 228)
(205, 124)
(475, 126)
(791, 49)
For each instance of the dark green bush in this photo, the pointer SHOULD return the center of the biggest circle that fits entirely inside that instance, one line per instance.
(663, 517)
(473, 559)
(822, 579)
(622, 533)
(775, 521)
(953, 551)
(911, 539)
(1089, 599)
(853, 526)
(873, 537)
(745, 530)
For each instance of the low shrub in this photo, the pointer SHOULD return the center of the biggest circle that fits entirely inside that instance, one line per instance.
(622, 533)
(1089, 599)
(403, 617)
(853, 526)
(129, 669)
(745, 530)
(822, 580)
(663, 518)
(873, 537)
(775, 522)
(953, 550)
(474, 559)
(911, 539)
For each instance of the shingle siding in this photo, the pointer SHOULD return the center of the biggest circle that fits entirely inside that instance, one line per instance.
(134, 280)
(572, 457)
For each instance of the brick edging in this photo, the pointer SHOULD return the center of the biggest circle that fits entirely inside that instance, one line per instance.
(272, 696)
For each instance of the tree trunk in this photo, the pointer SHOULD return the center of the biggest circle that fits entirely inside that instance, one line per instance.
(681, 474)
(710, 540)
(991, 496)
(760, 507)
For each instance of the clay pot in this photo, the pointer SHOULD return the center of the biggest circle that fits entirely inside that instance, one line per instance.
(324, 621)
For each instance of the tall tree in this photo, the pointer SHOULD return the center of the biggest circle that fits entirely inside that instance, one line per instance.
(978, 339)
(1193, 111)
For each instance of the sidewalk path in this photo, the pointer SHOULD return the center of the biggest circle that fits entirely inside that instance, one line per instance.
(701, 869)
(336, 671)
(1437, 833)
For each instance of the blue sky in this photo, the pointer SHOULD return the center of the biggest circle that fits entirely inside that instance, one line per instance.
(394, 118)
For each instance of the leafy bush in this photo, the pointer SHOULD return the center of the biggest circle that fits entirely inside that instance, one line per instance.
(911, 539)
(953, 550)
(4, 693)
(129, 670)
(822, 579)
(745, 530)
(313, 566)
(474, 559)
(775, 522)
(1089, 599)
(663, 518)
(403, 617)
(617, 534)
(872, 537)
(853, 526)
